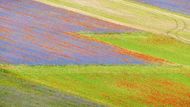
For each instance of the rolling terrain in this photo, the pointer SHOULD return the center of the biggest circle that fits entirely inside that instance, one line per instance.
(16, 91)
(134, 14)
(159, 46)
(108, 85)
(97, 53)
(34, 33)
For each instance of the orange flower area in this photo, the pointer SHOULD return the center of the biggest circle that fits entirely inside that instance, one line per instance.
(5, 36)
(188, 75)
(160, 40)
(160, 99)
(4, 29)
(159, 92)
(144, 57)
(6, 67)
(147, 58)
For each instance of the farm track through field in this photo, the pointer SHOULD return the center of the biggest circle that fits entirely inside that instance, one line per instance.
(180, 25)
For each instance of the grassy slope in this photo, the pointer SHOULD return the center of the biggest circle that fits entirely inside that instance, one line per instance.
(134, 14)
(114, 85)
(16, 91)
(147, 43)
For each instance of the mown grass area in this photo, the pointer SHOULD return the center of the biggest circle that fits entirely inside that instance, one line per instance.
(16, 91)
(121, 86)
(131, 13)
(150, 44)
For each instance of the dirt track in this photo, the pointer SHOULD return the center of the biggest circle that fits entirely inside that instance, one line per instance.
(174, 32)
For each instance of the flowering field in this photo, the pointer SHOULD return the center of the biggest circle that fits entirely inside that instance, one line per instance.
(94, 53)
(34, 33)
(111, 86)
(181, 6)
(145, 16)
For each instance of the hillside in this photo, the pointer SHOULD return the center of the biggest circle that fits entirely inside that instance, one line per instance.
(53, 37)
(104, 85)
(134, 14)
(94, 53)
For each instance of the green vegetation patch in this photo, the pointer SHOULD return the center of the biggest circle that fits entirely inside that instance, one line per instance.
(115, 85)
(150, 44)
(16, 91)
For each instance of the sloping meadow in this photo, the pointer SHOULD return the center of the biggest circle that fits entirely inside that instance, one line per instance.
(117, 86)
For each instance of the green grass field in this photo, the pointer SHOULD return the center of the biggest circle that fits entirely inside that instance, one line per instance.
(109, 85)
(18, 91)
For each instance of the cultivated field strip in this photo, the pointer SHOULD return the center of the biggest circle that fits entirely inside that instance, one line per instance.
(37, 95)
(33, 33)
(181, 6)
